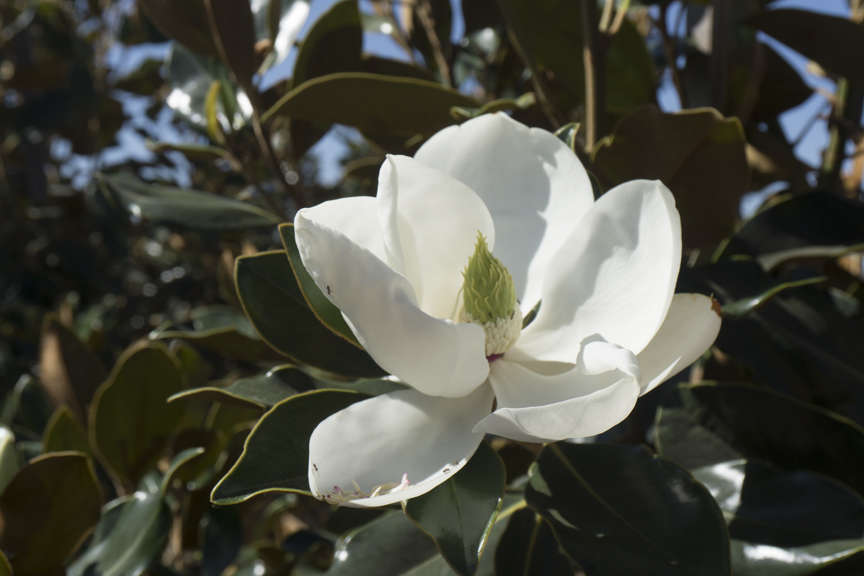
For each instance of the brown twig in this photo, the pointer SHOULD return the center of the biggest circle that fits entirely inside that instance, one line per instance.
(424, 14)
(594, 46)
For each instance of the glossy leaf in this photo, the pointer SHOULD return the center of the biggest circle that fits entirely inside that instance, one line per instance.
(788, 223)
(802, 342)
(333, 44)
(275, 456)
(388, 546)
(131, 534)
(786, 508)
(528, 548)
(130, 419)
(64, 433)
(273, 301)
(393, 106)
(620, 510)
(841, 558)
(763, 424)
(831, 41)
(459, 513)
(374, 64)
(203, 93)
(523, 102)
(746, 305)
(47, 510)
(184, 21)
(161, 204)
(680, 439)
(261, 391)
(549, 33)
(180, 461)
(698, 154)
(233, 30)
(222, 330)
(69, 371)
(326, 312)
(9, 461)
(5, 566)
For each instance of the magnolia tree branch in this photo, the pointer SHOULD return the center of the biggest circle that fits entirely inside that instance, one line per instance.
(594, 45)
(424, 14)
(257, 127)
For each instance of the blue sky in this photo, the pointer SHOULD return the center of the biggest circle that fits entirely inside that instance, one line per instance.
(331, 148)
(808, 150)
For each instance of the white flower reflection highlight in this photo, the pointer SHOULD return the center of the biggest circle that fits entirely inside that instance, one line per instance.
(609, 326)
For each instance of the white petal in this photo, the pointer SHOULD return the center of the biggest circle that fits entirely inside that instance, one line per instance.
(356, 218)
(542, 401)
(691, 326)
(614, 276)
(437, 357)
(398, 436)
(534, 186)
(430, 223)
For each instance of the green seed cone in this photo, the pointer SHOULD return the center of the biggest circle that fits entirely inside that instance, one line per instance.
(488, 293)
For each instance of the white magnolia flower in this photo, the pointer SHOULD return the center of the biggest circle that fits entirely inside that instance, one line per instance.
(609, 326)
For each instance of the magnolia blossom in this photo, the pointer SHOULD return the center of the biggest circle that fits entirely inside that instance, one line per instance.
(599, 274)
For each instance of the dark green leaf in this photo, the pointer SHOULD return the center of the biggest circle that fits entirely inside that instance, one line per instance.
(64, 432)
(234, 31)
(69, 371)
(275, 456)
(523, 102)
(631, 79)
(396, 107)
(698, 154)
(181, 460)
(620, 510)
(803, 342)
(549, 33)
(222, 539)
(204, 93)
(800, 222)
(567, 134)
(781, 88)
(333, 44)
(459, 513)
(842, 558)
(529, 548)
(9, 461)
(680, 439)
(131, 535)
(275, 304)
(261, 391)
(374, 64)
(130, 419)
(5, 567)
(831, 41)
(184, 21)
(786, 508)
(223, 330)
(326, 312)
(388, 546)
(763, 424)
(163, 204)
(747, 305)
(47, 510)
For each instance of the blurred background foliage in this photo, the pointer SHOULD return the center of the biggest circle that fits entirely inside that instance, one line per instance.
(148, 144)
